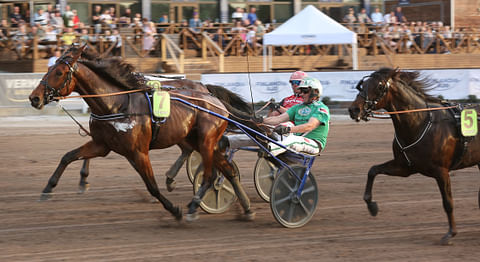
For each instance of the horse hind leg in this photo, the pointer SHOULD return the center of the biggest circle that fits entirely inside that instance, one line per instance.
(83, 186)
(141, 162)
(86, 151)
(175, 168)
(226, 168)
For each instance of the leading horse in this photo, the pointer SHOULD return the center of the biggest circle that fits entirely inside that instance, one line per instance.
(427, 142)
(123, 123)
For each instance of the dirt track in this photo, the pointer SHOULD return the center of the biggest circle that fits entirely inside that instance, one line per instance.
(115, 220)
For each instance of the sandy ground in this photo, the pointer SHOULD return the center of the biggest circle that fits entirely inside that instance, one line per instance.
(116, 221)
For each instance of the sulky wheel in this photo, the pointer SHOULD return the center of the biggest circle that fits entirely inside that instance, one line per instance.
(220, 196)
(194, 162)
(288, 209)
(263, 176)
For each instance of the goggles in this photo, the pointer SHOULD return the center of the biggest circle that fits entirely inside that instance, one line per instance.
(304, 90)
(295, 82)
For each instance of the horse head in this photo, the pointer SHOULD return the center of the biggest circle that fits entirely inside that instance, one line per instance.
(58, 81)
(373, 93)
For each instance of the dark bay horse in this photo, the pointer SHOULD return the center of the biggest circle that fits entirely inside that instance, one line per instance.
(123, 123)
(427, 142)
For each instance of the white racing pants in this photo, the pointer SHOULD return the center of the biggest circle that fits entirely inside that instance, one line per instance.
(296, 143)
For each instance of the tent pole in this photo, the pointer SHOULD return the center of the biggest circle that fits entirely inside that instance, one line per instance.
(270, 58)
(354, 56)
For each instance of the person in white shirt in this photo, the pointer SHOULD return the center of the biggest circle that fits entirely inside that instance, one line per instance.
(52, 60)
(377, 17)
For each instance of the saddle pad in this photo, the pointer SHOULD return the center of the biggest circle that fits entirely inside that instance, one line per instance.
(469, 122)
(161, 104)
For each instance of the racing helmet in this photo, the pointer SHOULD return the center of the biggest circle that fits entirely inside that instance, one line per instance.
(298, 75)
(313, 83)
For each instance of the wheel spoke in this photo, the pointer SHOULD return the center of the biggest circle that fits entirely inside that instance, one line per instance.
(307, 211)
(308, 190)
(280, 201)
(217, 202)
(285, 183)
(291, 208)
(266, 175)
(228, 188)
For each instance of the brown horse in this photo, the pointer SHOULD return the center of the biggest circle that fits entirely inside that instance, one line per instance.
(123, 123)
(427, 142)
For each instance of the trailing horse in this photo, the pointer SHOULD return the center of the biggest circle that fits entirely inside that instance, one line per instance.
(122, 123)
(427, 141)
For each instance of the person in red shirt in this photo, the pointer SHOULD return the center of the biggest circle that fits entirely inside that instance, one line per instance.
(295, 80)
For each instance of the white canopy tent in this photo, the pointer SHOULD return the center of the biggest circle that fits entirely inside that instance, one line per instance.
(310, 27)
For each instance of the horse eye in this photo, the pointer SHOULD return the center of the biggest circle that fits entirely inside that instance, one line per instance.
(59, 73)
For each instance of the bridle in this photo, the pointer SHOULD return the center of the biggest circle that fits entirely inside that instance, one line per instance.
(368, 104)
(50, 92)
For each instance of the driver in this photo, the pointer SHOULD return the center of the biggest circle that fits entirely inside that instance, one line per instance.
(311, 121)
(289, 101)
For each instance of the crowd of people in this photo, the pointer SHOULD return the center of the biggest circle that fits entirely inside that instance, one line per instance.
(394, 25)
(50, 25)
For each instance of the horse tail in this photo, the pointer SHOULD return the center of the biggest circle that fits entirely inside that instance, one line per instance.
(229, 97)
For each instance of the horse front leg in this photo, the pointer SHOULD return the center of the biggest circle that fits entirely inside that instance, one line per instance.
(141, 162)
(86, 151)
(443, 182)
(391, 168)
(173, 171)
(83, 186)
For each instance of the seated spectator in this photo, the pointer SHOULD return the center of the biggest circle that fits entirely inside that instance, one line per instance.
(68, 37)
(21, 40)
(350, 18)
(56, 55)
(195, 23)
(377, 17)
(126, 18)
(4, 34)
(362, 17)
(57, 22)
(399, 15)
(238, 15)
(163, 19)
(252, 16)
(41, 18)
(260, 28)
(16, 17)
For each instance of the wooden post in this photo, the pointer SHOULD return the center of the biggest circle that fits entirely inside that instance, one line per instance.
(221, 63)
(182, 63)
(204, 48)
(163, 44)
(35, 47)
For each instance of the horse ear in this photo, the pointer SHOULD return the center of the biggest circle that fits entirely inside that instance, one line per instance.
(78, 52)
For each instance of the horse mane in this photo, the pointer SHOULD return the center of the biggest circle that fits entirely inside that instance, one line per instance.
(114, 69)
(230, 98)
(412, 80)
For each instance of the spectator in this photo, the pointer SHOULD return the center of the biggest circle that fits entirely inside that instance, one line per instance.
(57, 22)
(252, 16)
(84, 37)
(163, 19)
(16, 18)
(390, 18)
(68, 37)
(106, 19)
(126, 18)
(40, 17)
(251, 37)
(377, 17)
(50, 12)
(363, 17)
(149, 32)
(350, 18)
(21, 40)
(237, 15)
(399, 15)
(75, 19)
(4, 34)
(50, 34)
(97, 22)
(68, 17)
(52, 60)
(195, 23)
(116, 38)
(137, 20)
(260, 28)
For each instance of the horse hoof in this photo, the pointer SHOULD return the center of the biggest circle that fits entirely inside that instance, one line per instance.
(249, 216)
(192, 217)
(373, 208)
(446, 241)
(45, 196)
(83, 188)
(178, 214)
(171, 184)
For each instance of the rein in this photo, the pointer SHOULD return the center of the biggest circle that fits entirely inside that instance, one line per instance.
(103, 95)
(412, 110)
